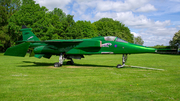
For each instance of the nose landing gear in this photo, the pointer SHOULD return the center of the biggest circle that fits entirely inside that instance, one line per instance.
(124, 58)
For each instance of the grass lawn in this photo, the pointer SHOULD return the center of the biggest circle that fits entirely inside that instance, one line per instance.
(93, 78)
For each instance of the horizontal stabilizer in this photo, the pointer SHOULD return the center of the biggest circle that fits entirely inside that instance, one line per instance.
(18, 50)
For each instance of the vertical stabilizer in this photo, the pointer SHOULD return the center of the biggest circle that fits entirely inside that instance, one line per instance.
(28, 35)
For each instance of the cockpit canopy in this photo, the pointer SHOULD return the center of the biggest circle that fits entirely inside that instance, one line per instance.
(113, 38)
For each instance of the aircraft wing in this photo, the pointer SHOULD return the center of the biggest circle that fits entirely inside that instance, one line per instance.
(70, 46)
(57, 41)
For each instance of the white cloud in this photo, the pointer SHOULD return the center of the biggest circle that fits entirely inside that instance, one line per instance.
(159, 35)
(150, 40)
(135, 34)
(146, 8)
(162, 31)
(51, 4)
(129, 19)
(108, 5)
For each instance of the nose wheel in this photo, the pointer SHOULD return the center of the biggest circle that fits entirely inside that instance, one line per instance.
(124, 58)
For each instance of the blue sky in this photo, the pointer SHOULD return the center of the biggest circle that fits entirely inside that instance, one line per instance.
(156, 21)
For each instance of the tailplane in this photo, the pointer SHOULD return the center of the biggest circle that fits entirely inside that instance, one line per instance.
(18, 50)
(28, 35)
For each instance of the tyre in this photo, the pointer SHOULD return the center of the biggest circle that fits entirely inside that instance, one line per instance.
(70, 63)
(119, 66)
(57, 64)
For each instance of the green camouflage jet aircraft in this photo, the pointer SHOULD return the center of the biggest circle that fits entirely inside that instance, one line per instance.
(74, 48)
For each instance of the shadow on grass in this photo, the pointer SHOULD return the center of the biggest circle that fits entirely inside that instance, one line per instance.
(168, 54)
(92, 65)
(37, 64)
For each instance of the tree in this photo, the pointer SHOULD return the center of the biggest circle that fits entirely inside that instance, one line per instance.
(138, 40)
(4, 38)
(58, 12)
(161, 47)
(3, 16)
(109, 27)
(68, 22)
(82, 29)
(60, 23)
(175, 42)
(7, 9)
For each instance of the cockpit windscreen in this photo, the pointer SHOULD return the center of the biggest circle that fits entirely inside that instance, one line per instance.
(120, 40)
(110, 38)
(113, 38)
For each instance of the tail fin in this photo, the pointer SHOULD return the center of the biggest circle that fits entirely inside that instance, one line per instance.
(28, 35)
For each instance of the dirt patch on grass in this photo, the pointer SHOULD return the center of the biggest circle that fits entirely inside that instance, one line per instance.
(79, 67)
(72, 67)
(53, 67)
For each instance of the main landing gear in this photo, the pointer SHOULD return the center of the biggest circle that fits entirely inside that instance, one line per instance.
(124, 58)
(71, 62)
(61, 59)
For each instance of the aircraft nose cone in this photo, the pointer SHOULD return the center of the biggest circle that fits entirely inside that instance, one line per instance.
(144, 49)
(134, 48)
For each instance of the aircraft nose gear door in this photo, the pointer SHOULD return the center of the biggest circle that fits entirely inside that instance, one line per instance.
(61, 59)
(124, 58)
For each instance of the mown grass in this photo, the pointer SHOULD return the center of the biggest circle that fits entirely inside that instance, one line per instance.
(92, 78)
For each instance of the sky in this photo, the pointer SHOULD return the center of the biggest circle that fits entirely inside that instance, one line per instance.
(156, 21)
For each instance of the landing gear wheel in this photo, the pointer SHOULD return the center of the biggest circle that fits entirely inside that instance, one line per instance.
(124, 58)
(70, 63)
(57, 64)
(119, 66)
